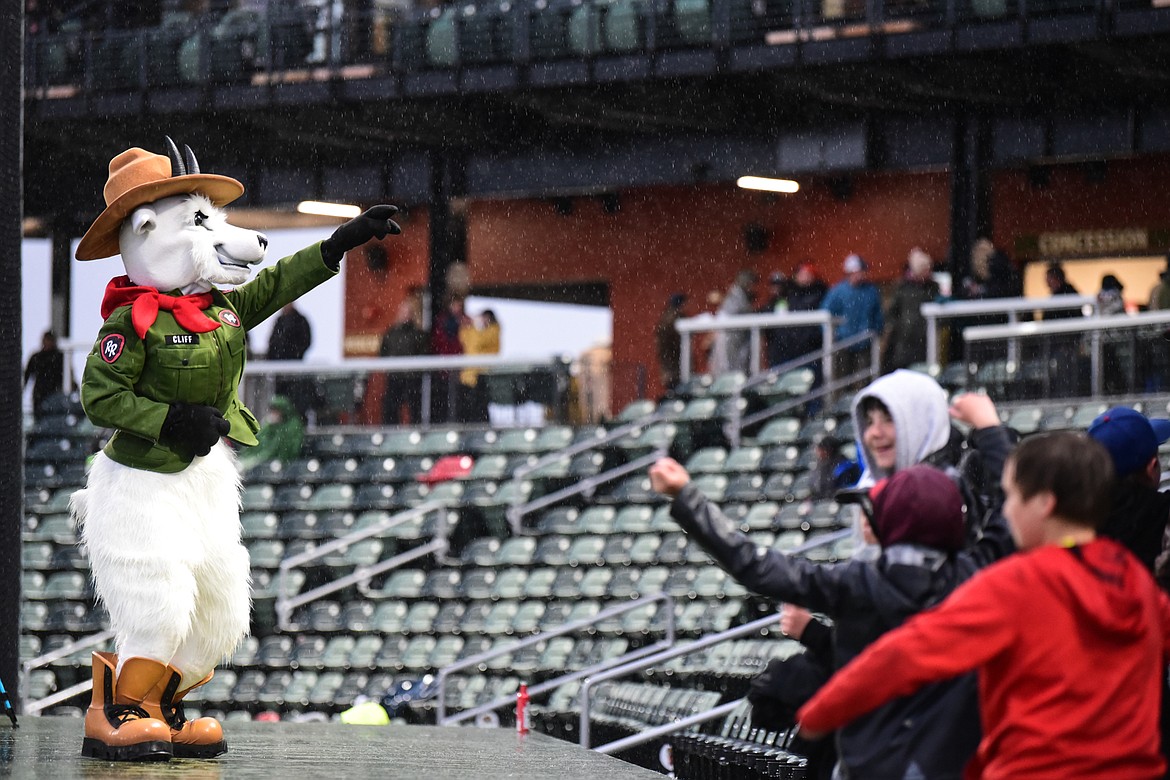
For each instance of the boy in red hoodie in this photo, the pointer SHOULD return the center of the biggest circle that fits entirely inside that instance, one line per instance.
(1068, 636)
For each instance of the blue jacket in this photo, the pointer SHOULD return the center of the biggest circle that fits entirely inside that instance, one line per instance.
(859, 308)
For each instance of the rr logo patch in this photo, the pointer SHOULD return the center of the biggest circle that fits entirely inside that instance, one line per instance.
(229, 316)
(111, 347)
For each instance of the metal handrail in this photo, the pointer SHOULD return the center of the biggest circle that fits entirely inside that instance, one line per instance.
(666, 655)
(516, 514)
(654, 733)
(576, 625)
(828, 387)
(699, 644)
(1012, 307)
(754, 322)
(286, 604)
(1092, 327)
(426, 365)
(613, 434)
(33, 707)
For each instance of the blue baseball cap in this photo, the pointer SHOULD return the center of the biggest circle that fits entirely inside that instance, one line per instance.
(1131, 438)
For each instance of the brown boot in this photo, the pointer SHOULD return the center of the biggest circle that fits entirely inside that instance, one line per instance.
(116, 727)
(199, 738)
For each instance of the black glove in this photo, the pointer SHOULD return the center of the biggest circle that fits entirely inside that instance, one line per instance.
(193, 429)
(375, 223)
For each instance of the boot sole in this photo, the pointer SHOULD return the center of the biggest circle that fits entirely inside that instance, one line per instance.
(199, 751)
(143, 751)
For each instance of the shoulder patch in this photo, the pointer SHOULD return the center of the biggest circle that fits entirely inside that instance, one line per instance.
(230, 318)
(111, 347)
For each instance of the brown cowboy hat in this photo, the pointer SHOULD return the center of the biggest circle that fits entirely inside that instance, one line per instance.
(138, 177)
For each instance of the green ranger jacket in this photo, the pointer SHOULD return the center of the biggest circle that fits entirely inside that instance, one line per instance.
(129, 383)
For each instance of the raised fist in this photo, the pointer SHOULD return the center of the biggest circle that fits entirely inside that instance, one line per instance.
(376, 222)
(193, 429)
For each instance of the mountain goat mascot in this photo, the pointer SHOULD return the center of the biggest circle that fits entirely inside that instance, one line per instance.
(159, 514)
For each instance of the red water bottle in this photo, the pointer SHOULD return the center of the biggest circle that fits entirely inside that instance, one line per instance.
(522, 709)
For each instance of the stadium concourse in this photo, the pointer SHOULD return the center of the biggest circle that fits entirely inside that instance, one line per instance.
(503, 578)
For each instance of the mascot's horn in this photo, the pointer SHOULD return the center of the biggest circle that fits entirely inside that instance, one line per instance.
(178, 167)
(192, 163)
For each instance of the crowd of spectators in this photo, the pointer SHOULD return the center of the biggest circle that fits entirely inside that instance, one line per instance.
(893, 315)
(1040, 650)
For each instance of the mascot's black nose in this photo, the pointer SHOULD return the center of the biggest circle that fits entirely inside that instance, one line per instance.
(263, 239)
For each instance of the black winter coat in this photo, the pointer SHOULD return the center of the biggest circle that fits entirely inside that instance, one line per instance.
(932, 731)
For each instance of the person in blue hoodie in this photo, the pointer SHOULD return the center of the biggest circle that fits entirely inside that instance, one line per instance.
(856, 304)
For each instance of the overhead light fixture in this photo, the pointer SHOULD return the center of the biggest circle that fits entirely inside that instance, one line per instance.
(323, 209)
(768, 185)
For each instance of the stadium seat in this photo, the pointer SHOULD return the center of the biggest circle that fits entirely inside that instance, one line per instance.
(708, 460)
(787, 541)
(479, 583)
(34, 615)
(713, 486)
(552, 550)
(57, 528)
(745, 488)
(402, 584)
(390, 654)
(635, 410)
(259, 525)
(266, 553)
(331, 498)
(445, 652)
(218, 689)
(358, 616)
(256, 498)
(500, 616)
(595, 583)
(539, 583)
(516, 551)
(32, 585)
(475, 618)
(365, 652)
(559, 520)
(442, 584)
(586, 464)
(67, 585)
(449, 620)
(586, 551)
(275, 652)
(1085, 414)
(596, 520)
(417, 654)
(634, 489)
(692, 20)
(617, 549)
(441, 40)
(633, 519)
(644, 549)
(441, 442)
(488, 468)
(421, 617)
(377, 496)
(567, 583)
(779, 431)
(481, 551)
(509, 584)
(779, 487)
(645, 440)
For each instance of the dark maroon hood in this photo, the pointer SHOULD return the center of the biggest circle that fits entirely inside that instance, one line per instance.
(918, 505)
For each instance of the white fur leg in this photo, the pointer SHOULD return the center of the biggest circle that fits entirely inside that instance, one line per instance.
(159, 546)
(221, 612)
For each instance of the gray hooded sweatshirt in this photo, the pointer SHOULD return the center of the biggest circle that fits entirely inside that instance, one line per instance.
(922, 422)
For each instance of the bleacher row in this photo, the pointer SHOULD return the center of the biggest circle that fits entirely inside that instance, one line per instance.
(569, 562)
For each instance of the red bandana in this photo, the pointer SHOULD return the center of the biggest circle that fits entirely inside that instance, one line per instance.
(146, 301)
